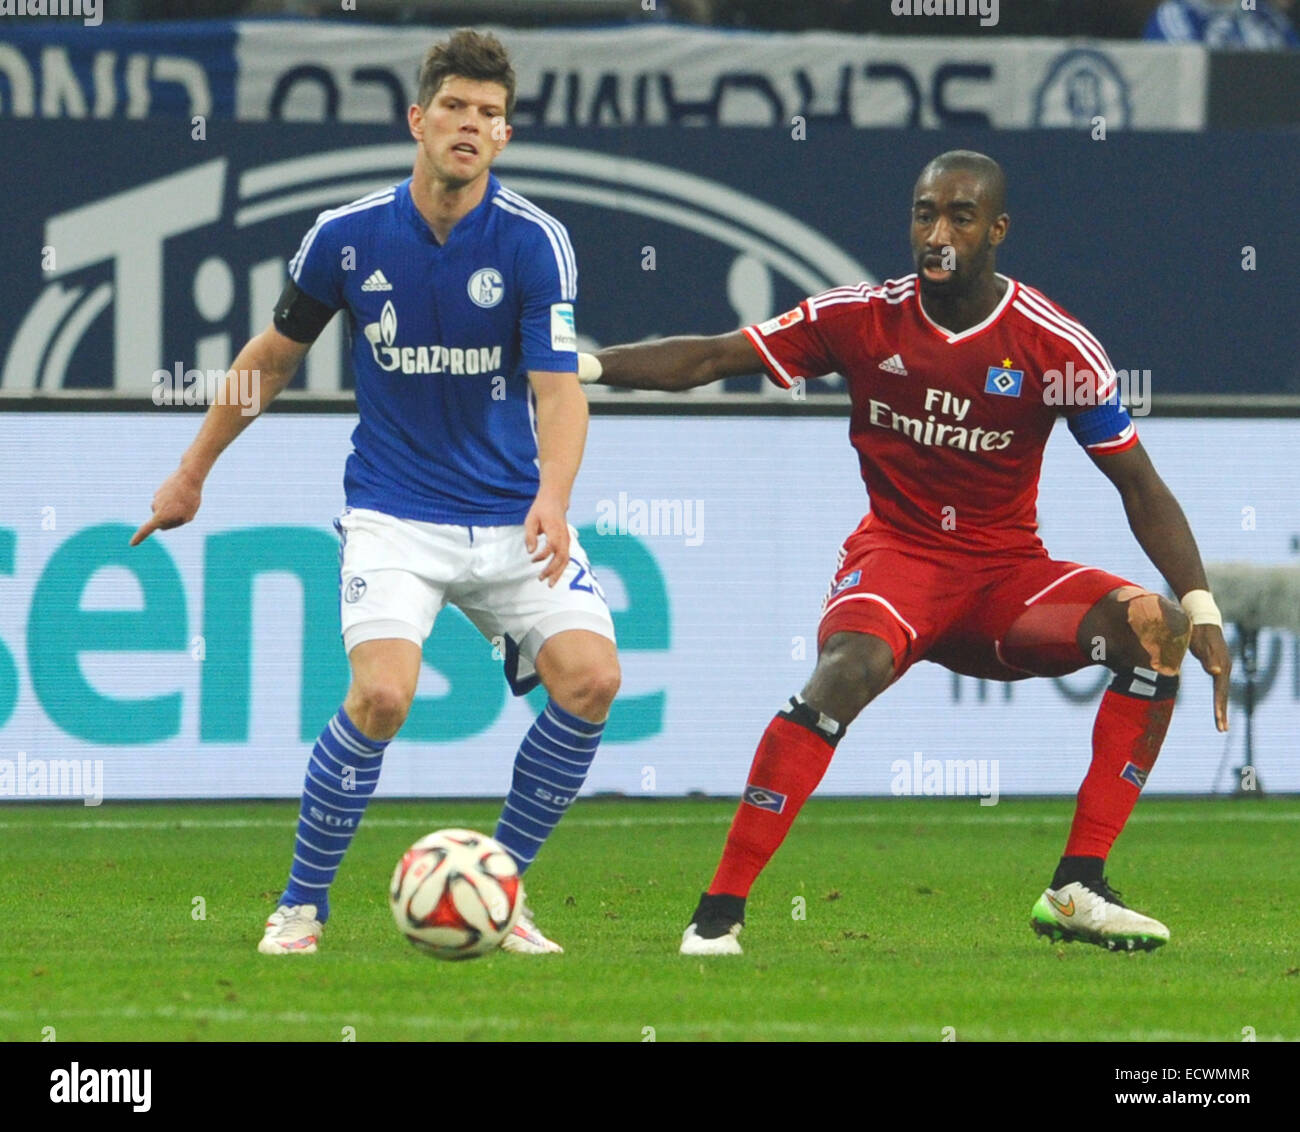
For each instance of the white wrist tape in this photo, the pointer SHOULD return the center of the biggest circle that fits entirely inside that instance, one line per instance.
(1199, 606)
(589, 369)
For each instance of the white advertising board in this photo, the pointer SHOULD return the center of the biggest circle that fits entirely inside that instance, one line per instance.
(203, 663)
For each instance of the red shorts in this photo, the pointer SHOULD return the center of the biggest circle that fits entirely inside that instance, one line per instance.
(992, 616)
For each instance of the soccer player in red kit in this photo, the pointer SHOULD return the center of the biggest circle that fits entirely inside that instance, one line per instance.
(957, 375)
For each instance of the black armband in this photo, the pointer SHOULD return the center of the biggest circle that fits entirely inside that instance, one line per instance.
(299, 316)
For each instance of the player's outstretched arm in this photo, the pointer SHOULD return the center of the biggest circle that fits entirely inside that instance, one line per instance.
(672, 364)
(1161, 528)
(272, 359)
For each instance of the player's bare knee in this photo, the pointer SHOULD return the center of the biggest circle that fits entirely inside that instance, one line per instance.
(1176, 634)
(1141, 629)
(589, 691)
(1177, 621)
(865, 660)
(601, 686)
(851, 671)
(379, 709)
(1162, 629)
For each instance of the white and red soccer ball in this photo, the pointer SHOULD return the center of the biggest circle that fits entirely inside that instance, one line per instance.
(456, 894)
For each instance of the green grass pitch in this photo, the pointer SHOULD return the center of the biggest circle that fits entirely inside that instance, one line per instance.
(914, 920)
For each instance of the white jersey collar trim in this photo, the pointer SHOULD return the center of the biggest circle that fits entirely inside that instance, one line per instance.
(996, 313)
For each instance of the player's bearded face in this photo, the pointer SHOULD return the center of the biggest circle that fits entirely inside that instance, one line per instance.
(950, 235)
(952, 268)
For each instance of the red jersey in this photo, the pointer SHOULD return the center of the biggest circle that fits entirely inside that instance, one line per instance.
(950, 428)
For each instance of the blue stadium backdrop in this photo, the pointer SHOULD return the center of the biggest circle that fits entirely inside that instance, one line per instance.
(136, 247)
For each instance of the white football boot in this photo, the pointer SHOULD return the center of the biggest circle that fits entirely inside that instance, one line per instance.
(292, 929)
(726, 944)
(1095, 914)
(714, 926)
(525, 939)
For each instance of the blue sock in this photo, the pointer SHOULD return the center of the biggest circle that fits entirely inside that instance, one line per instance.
(341, 776)
(550, 768)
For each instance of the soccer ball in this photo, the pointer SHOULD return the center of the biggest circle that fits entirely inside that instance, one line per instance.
(456, 894)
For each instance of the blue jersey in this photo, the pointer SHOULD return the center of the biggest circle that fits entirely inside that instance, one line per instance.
(443, 337)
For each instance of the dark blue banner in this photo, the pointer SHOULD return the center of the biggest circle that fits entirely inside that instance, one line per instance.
(60, 68)
(135, 247)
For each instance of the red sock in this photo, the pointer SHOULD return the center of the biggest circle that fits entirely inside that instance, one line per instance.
(1131, 725)
(792, 757)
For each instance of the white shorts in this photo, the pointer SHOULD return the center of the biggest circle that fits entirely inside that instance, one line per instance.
(395, 575)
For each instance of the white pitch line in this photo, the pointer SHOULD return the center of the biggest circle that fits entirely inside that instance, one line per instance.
(632, 1033)
(991, 817)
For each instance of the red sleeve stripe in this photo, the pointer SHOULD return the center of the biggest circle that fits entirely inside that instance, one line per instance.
(895, 291)
(774, 368)
(1054, 315)
(861, 291)
(1099, 365)
(892, 297)
(1045, 303)
(1125, 439)
(859, 294)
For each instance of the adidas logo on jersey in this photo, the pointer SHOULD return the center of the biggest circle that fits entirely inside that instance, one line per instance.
(376, 282)
(894, 364)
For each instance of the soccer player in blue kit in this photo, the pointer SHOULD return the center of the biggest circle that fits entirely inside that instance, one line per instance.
(459, 295)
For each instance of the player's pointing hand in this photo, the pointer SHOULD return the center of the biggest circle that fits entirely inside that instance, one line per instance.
(1209, 647)
(175, 503)
(547, 519)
